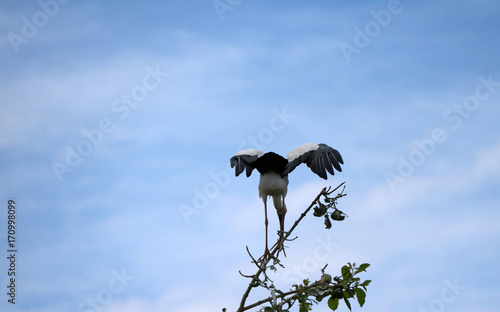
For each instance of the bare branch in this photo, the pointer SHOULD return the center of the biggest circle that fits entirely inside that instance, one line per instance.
(273, 254)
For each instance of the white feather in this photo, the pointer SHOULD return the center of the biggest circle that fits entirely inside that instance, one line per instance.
(250, 152)
(301, 150)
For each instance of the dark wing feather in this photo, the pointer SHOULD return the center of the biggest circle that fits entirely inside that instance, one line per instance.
(319, 157)
(244, 160)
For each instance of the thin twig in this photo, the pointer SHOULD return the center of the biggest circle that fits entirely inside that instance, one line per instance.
(253, 259)
(284, 295)
(247, 276)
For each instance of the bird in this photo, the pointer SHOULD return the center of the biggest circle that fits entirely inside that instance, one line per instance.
(274, 170)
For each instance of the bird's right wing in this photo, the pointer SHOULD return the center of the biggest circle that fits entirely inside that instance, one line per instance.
(245, 160)
(318, 157)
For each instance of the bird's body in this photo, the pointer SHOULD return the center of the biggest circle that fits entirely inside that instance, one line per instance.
(272, 184)
(274, 170)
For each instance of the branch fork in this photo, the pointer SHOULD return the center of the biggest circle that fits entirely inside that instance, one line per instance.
(262, 262)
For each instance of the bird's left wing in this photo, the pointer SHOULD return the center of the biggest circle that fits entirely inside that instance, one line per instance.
(319, 157)
(245, 160)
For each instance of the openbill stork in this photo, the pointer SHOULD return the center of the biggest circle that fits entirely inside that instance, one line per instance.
(274, 170)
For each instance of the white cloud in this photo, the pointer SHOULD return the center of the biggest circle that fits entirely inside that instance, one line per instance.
(487, 164)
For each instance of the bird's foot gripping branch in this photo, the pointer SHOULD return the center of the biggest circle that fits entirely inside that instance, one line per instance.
(343, 287)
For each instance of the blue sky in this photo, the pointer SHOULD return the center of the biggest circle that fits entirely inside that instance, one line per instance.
(118, 120)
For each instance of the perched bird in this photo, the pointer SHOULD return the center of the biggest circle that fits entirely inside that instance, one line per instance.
(274, 170)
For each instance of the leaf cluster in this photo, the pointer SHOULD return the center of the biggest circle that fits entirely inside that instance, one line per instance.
(343, 287)
(350, 286)
(327, 208)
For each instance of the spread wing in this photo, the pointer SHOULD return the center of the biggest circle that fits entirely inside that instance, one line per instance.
(245, 160)
(319, 157)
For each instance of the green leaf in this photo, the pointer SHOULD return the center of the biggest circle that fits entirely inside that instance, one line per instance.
(349, 293)
(333, 303)
(344, 284)
(362, 268)
(360, 294)
(319, 211)
(326, 278)
(304, 307)
(337, 215)
(268, 309)
(328, 223)
(346, 274)
(365, 283)
(347, 303)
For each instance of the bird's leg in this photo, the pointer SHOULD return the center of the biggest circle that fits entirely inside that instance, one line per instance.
(282, 234)
(266, 251)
